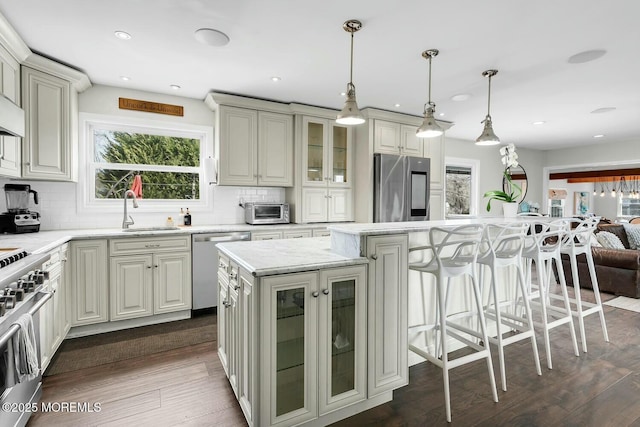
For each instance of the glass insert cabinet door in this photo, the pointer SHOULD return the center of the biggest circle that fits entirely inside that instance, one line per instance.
(316, 349)
(326, 153)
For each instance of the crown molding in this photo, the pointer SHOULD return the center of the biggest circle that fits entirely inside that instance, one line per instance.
(78, 79)
(12, 41)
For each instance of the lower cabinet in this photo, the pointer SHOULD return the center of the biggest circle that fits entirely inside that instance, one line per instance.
(297, 343)
(313, 330)
(149, 276)
(54, 319)
(89, 281)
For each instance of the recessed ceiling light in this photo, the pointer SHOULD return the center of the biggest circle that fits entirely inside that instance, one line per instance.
(397, 105)
(539, 122)
(586, 56)
(125, 78)
(275, 79)
(343, 93)
(598, 136)
(460, 97)
(211, 37)
(441, 114)
(603, 110)
(174, 87)
(122, 35)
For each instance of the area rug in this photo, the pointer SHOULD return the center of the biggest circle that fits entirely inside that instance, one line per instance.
(626, 303)
(95, 350)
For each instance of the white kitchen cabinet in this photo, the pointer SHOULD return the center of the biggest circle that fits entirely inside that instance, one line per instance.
(387, 321)
(255, 148)
(89, 274)
(437, 203)
(321, 232)
(314, 344)
(396, 138)
(50, 102)
(49, 140)
(327, 172)
(296, 233)
(223, 297)
(53, 315)
(247, 346)
(149, 276)
(434, 149)
(266, 235)
(10, 146)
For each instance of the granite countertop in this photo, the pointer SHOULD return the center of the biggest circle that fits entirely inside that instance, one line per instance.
(268, 257)
(44, 241)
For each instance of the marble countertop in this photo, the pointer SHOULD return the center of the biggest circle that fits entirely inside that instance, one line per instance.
(44, 241)
(269, 257)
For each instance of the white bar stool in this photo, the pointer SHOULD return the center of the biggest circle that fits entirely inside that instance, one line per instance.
(578, 241)
(502, 248)
(542, 246)
(452, 252)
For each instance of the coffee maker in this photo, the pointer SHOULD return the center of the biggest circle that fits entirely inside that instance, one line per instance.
(18, 218)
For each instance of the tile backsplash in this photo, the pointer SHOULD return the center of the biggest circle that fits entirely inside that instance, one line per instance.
(58, 207)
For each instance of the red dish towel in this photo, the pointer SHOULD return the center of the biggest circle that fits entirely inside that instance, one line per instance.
(136, 186)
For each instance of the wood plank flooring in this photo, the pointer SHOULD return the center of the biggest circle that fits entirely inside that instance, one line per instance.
(187, 387)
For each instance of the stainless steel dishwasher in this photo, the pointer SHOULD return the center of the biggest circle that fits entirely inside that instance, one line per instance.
(204, 266)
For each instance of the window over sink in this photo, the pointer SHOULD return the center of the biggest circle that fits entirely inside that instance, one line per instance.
(168, 157)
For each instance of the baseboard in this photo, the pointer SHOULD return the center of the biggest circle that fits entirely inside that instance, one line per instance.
(99, 328)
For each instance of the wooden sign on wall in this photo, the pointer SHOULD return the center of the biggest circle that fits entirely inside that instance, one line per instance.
(150, 107)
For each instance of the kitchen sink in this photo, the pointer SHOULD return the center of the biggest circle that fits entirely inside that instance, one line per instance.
(159, 228)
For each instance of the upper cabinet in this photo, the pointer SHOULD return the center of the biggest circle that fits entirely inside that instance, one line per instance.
(254, 141)
(396, 138)
(50, 100)
(10, 155)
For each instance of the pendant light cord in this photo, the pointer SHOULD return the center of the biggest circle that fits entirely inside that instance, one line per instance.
(489, 99)
(351, 65)
(429, 85)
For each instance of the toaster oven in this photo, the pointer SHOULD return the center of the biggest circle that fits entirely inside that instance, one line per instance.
(266, 213)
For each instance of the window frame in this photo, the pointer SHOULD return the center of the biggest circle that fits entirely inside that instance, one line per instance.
(474, 195)
(87, 202)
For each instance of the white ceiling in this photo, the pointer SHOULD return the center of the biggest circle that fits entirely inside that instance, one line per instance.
(303, 42)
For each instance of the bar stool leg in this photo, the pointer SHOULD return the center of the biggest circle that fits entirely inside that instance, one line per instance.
(529, 315)
(494, 295)
(543, 307)
(596, 291)
(443, 345)
(485, 336)
(567, 304)
(578, 298)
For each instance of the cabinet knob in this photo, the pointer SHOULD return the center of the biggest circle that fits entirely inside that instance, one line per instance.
(315, 294)
(156, 266)
(226, 304)
(236, 287)
(325, 291)
(374, 257)
(148, 266)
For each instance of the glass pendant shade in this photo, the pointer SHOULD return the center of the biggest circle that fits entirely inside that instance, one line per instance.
(350, 114)
(488, 137)
(429, 127)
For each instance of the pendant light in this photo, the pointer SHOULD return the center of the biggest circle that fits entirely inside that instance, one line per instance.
(488, 137)
(350, 114)
(429, 127)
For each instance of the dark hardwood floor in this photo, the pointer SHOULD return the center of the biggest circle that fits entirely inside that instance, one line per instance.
(187, 387)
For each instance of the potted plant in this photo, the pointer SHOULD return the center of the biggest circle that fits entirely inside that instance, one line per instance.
(509, 160)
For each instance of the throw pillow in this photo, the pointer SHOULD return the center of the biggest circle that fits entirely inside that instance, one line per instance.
(609, 240)
(633, 234)
(594, 241)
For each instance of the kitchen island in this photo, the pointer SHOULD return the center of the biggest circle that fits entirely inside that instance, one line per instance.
(315, 330)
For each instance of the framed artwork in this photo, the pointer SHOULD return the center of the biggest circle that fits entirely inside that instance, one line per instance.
(581, 202)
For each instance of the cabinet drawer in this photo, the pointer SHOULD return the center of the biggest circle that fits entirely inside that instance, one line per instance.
(296, 234)
(319, 232)
(145, 245)
(223, 264)
(266, 235)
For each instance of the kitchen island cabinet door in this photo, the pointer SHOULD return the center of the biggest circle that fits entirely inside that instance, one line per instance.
(289, 345)
(388, 367)
(89, 282)
(247, 352)
(342, 338)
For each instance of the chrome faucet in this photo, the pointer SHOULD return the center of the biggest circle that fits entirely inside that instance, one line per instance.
(127, 220)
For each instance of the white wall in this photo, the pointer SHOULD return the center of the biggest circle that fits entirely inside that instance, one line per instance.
(58, 202)
(491, 170)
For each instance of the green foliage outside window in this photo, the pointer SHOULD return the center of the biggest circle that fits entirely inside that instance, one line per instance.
(130, 149)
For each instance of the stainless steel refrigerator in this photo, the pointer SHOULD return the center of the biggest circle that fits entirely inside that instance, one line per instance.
(400, 188)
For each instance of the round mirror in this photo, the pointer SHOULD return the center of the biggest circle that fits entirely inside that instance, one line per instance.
(519, 178)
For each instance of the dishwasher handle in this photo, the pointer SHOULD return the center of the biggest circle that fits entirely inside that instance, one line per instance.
(226, 238)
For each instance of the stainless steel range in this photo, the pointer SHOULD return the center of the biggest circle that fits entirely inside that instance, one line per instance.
(21, 281)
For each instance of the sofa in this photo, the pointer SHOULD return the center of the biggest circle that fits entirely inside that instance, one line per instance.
(617, 270)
